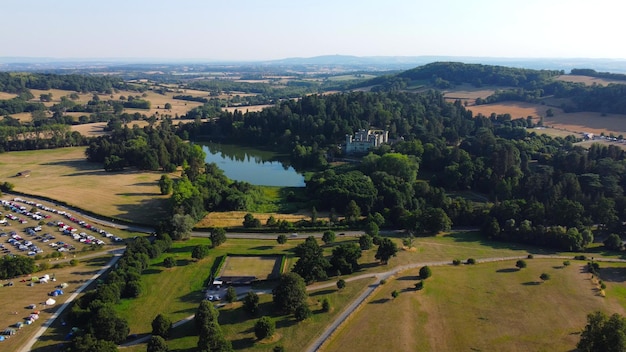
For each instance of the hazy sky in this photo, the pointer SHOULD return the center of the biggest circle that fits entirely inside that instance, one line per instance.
(274, 29)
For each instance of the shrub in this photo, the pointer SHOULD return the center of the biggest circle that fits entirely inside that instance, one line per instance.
(425, 272)
(580, 257)
(264, 327)
(200, 251)
(74, 262)
(341, 283)
(325, 305)
(603, 285)
(530, 256)
(471, 261)
(456, 262)
(281, 239)
(521, 264)
(169, 262)
(566, 263)
(231, 294)
(251, 302)
(395, 294)
(544, 276)
(383, 281)
(302, 312)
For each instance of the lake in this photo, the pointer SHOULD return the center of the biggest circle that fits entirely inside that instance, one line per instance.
(251, 165)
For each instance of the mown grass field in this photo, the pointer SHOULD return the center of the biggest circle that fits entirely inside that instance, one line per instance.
(65, 175)
(261, 267)
(485, 307)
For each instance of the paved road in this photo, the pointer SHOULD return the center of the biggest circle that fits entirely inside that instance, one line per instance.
(28, 346)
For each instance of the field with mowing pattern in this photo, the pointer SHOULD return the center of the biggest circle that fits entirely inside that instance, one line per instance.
(261, 267)
(486, 307)
(65, 175)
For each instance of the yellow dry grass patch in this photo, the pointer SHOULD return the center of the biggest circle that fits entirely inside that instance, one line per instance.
(588, 80)
(487, 307)
(235, 218)
(65, 175)
(592, 122)
(248, 108)
(17, 298)
(516, 109)
(7, 96)
(469, 93)
(261, 266)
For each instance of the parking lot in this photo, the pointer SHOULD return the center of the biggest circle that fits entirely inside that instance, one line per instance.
(39, 230)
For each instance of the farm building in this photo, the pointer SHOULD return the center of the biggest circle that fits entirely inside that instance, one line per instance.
(364, 140)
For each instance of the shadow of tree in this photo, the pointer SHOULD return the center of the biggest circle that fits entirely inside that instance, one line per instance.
(380, 301)
(507, 270)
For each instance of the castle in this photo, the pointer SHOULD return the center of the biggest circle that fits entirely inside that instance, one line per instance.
(364, 140)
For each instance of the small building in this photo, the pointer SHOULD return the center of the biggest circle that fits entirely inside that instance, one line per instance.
(364, 140)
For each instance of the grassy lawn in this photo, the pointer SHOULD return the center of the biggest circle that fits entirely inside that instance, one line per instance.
(294, 336)
(18, 297)
(261, 267)
(65, 175)
(545, 316)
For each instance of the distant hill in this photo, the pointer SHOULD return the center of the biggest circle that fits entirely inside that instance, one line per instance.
(344, 62)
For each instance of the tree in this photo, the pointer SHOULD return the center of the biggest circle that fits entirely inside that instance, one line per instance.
(211, 339)
(89, 343)
(264, 327)
(353, 212)
(205, 314)
(302, 312)
(281, 239)
(181, 226)
(366, 242)
(249, 221)
(345, 258)
(106, 325)
(386, 250)
(166, 184)
(218, 236)
(156, 344)
(544, 276)
(289, 293)
(161, 326)
(613, 242)
(167, 106)
(231, 294)
(251, 302)
(341, 283)
(395, 294)
(603, 333)
(325, 305)
(200, 251)
(520, 264)
(371, 228)
(328, 237)
(435, 220)
(425, 272)
(312, 264)
(313, 215)
(169, 262)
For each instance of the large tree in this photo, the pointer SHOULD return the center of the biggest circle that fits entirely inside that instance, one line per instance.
(264, 327)
(161, 326)
(181, 226)
(602, 333)
(157, 344)
(290, 292)
(312, 264)
(386, 250)
(345, 258)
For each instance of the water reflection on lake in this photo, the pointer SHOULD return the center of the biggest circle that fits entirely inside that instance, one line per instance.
(251, 165)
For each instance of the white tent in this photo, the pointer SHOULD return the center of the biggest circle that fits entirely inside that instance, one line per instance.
(50, 302)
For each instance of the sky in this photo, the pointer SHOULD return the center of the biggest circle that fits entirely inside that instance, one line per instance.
(250, 30)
